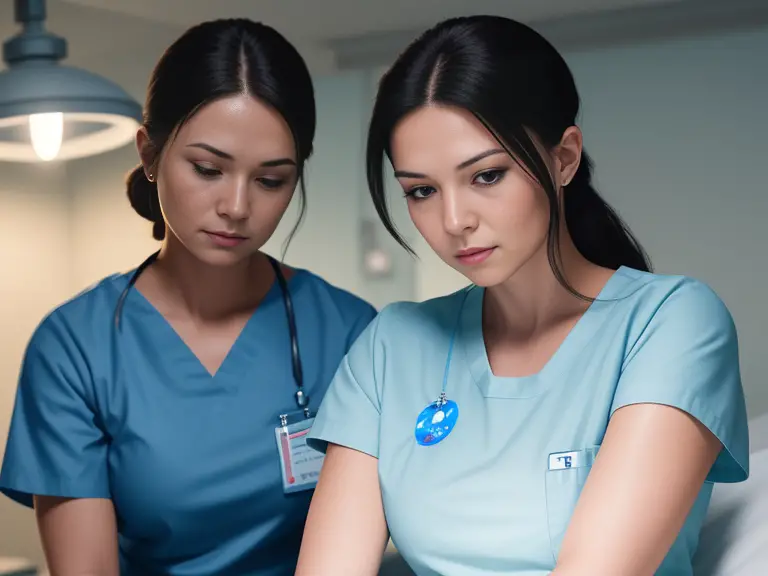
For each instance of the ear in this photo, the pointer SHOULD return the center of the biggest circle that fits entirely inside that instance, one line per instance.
(568, 155)
(147, 153)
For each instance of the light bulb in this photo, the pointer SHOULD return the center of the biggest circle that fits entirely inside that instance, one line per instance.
(46, 132)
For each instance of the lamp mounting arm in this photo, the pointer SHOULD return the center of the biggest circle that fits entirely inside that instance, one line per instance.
(34, 43)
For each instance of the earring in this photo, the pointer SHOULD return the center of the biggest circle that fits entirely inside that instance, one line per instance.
(151, 177)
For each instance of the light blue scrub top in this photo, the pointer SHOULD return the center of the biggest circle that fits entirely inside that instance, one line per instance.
(189, 460)
(484, 501)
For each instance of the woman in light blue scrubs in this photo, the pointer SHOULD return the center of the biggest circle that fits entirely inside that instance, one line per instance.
(161, 416)
(569, 412)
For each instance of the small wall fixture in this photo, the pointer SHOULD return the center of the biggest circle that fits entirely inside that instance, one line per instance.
(49, 111)
(377, 262)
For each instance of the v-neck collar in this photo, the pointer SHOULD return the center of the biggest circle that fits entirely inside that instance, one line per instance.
(510, 387)
(186, 364)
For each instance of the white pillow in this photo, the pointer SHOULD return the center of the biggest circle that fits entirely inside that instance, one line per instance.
(734, 538)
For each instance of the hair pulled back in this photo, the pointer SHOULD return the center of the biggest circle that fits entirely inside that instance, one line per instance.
(516, 84)
(215, 60)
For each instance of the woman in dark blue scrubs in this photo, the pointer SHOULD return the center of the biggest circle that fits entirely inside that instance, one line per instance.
(160, 417)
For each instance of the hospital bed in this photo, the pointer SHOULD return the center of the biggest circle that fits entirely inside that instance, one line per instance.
(734, 538)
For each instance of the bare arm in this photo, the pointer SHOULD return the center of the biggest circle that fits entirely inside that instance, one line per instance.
(646, 477)
(79, 536)
(346, 532)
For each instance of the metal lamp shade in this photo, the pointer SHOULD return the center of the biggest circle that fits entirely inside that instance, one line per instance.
(69, 112)
(98, 115)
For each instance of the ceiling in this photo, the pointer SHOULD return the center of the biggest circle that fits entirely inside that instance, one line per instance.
(338, 33)
(313, 25)
(317, 21)
(122, 39)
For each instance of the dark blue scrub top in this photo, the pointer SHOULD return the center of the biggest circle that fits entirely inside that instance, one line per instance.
(189, 459)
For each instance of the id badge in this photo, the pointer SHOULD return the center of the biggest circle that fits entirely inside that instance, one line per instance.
(299, 464)
(572, 459)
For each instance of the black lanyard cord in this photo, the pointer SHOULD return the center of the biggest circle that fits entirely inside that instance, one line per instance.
(131, 283)
(302, 400)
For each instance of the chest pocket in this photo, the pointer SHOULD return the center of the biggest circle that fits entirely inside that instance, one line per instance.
(565, 478)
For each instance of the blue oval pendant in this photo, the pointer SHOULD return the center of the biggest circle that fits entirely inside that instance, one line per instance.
(435, 422)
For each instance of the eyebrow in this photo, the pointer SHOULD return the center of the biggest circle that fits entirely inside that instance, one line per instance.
(462, 166)
(228, 156)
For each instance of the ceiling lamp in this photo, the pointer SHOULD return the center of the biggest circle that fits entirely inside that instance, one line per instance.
(49, 111)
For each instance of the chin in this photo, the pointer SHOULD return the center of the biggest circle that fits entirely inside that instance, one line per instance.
(490, 273)
(484, 277)
(222, 258)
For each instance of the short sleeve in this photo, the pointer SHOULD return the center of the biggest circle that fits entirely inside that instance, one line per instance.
(688, 358)
(55, 444)
(350, 412)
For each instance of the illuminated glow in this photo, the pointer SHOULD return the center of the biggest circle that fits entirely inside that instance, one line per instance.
(46, 132)
(115, 131)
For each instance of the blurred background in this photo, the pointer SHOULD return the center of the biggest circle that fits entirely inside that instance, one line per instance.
(675, 114)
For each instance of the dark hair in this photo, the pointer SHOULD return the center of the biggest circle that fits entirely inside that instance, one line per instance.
(215, 60)
(513, 81)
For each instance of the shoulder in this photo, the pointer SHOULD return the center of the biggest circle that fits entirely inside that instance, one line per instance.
(680, 303)
(336, 305)
(683, 352)
(408, 321)
(66, 348)
(82, 320)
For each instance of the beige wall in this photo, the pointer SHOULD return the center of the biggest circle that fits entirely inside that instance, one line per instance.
(34, 276)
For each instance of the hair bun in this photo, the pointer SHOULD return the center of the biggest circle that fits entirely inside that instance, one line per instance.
(140, 193)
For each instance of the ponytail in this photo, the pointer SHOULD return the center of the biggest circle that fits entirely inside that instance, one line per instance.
(142, 194)
(598, 232)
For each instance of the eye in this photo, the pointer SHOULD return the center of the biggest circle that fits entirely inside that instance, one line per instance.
(490, 177)
(205, 171)
(420, 192)
(271, 183)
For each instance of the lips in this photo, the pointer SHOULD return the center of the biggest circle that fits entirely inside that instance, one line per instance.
(471, 251)
(474, 256)
(226, 239)
(228, 235)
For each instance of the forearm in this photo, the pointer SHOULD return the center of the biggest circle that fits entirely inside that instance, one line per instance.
(79, 536)
(626, 522)
(345, 533)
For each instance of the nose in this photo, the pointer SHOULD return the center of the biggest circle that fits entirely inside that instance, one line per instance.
(234, 202)
(458, 217)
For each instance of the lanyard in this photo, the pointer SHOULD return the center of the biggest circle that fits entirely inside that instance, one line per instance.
(302, 399)
(436, 421)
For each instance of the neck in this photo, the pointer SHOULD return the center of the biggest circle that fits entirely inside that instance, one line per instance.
(209, 292)
(532, 300)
